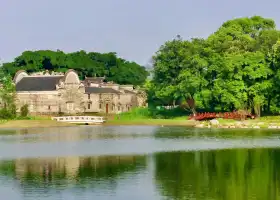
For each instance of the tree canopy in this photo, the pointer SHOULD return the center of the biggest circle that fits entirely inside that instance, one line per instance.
(237, 67)
(86, 64)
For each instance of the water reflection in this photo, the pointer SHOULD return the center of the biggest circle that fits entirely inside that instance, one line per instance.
(239, 174)
(130, 162)
(68, 134)
(70, 170)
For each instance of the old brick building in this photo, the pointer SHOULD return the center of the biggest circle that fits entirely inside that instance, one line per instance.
(47, 93)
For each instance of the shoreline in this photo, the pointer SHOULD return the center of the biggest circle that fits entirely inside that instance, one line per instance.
(47, 123)
(219, 124)
(33, 124)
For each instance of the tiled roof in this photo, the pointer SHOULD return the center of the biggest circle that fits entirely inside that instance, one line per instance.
(100, 90)
(43, 83)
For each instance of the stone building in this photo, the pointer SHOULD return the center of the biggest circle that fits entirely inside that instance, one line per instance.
(52, 93)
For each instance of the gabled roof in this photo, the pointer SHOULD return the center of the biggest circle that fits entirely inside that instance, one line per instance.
(38, 83)
(100, 90)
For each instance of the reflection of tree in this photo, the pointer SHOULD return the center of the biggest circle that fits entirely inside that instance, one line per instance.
(80, 170)
(220, 175)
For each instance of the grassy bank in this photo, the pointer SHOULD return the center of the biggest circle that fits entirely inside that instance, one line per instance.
(145, 116)
(153, 122)
(32, 124)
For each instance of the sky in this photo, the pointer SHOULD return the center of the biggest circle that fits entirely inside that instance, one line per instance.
(134, 29)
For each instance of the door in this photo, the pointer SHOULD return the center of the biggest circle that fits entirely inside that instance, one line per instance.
(107, 108)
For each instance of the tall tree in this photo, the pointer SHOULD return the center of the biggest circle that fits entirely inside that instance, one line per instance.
(86, 64)
(234, 68)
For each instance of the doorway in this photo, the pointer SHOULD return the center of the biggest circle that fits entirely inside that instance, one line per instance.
(107, 108)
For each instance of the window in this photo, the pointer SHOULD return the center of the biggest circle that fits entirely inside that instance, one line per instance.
(119, 108)
(113, 107)
(100, 106)
(70, 106)
(99, 96)
(49, 107)
(88, 96)
(119, 96)
(88, 106)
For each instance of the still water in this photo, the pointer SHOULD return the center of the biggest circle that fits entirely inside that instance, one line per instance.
(139, 163)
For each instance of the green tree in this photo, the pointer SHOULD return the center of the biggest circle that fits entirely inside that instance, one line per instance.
(86, 64)
(7, 96)
(237, 67)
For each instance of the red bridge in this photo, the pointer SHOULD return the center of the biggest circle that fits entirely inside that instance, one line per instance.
(226, 115)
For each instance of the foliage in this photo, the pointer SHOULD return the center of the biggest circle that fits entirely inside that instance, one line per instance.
(237, 67)
(24, 111)
(228, 174)
(7, 96)
(152, 113)
(86, 64)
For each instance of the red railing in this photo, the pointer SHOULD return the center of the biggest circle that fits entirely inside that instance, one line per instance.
(226, 115)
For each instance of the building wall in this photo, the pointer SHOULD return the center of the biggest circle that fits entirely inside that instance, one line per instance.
(70, 97)
(38, 102)
(74, 100)
(113, 103)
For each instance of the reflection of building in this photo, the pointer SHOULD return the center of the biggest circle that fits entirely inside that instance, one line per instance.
(65, 93)
(73, 168)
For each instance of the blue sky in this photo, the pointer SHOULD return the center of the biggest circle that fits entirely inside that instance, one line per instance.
(134, 29)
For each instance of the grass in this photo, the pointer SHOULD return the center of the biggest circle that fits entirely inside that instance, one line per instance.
(155, 122)
(139, 116)
(32, 124)
(146, 116)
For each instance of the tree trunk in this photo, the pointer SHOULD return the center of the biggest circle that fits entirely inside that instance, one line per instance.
(191, 104)
(268, 104)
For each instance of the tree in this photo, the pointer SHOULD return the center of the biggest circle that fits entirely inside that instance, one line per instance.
(237, 67)
(7, 96)
(86, 64)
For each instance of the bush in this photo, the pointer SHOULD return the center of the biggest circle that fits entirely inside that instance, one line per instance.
(6, 113)
(24, 111)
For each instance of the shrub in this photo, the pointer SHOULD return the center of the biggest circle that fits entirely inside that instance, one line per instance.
(6, 113)
(24, 111)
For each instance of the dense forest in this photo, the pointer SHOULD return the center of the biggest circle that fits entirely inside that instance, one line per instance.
(86, 64)
(235, 68)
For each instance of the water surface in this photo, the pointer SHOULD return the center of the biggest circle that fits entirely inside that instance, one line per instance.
(139, 162)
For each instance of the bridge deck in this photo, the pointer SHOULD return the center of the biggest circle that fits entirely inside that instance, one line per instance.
(80, 119)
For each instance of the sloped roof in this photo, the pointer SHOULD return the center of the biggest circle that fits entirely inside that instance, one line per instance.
(100, 90)
(38, 83)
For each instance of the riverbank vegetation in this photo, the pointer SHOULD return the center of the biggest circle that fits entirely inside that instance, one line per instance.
(152, 116)
(235, 68)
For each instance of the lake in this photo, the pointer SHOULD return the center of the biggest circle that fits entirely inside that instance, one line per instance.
(139, 163)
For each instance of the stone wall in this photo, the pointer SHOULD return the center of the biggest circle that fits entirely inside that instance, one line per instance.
(111, 103)
(38, 102)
